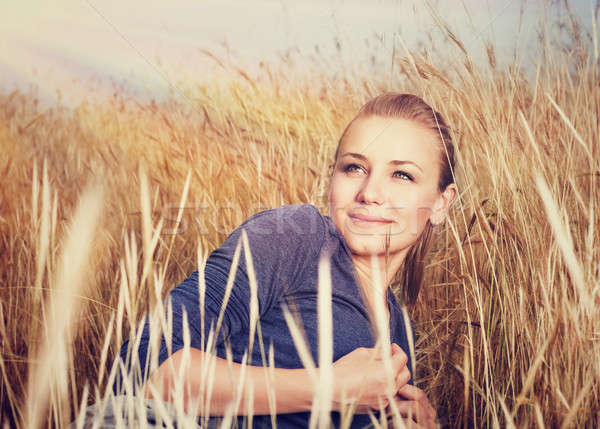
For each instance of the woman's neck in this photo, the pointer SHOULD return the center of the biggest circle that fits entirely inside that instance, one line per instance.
(364, 269)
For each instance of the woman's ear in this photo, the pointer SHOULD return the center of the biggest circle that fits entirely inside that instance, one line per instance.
(442, 204)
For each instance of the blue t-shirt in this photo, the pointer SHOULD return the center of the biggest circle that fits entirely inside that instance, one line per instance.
(285, 244)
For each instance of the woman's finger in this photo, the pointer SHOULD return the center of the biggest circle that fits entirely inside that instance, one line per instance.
(402, 378)
(409, 423)
(413, 410)
(414, 393)
(409, 413)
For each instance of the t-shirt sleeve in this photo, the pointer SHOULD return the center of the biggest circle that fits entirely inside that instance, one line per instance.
(282, 241)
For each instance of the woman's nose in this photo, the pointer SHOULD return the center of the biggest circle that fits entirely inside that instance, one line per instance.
(371, 191)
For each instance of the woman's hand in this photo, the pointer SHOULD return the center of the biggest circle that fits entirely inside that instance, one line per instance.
(362, 376)
(414, 407)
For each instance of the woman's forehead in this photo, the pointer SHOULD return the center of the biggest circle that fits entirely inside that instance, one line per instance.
(381, 138)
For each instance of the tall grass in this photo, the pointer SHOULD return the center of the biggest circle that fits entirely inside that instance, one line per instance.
(507, 322)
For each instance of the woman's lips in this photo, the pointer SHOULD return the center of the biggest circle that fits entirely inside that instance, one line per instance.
(360, 218)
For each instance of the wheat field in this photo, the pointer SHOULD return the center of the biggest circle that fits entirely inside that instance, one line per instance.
(107, 206)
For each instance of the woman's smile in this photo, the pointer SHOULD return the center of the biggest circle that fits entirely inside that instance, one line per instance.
(365, 220)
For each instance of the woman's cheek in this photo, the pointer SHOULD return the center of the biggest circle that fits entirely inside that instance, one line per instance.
(424, 210)
(412, 215)
(343, 193)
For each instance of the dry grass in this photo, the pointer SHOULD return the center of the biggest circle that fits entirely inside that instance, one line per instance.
(508, 320)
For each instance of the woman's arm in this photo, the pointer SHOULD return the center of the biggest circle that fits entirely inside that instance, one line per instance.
(292, 387)
(361, 374)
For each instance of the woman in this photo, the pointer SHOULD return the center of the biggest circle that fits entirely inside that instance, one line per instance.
(392, 182)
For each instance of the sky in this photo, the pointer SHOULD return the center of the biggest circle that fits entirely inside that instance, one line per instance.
(84, 48)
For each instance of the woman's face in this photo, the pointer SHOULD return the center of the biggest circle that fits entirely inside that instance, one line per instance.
(385, 179)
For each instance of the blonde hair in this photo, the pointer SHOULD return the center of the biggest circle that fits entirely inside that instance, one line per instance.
(412, 107)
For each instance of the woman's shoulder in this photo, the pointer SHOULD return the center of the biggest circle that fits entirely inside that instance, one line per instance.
(290, 235)
(286, 211)
(303, 220)
(283, 243)
(289, 231)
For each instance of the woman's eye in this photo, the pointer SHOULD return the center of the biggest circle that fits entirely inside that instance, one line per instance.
(350, 168)
(403, 175)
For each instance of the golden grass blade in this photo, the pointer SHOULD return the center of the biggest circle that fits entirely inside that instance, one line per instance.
(138, 405)
(83, 405)
(539, 418)
(254, 310)
(35, 192)
(444, 26)
(136, 338)
(509, 422)
(127, 386)
(409, 55)
(531, 139)
(146, 211)
(114, 370)
(122, 305)
(201, 263)
(44, 234)
(182, 201)
(62, 305)
(158, 283)
(241, 383)
(229, 359)
(104, 353)
(300, 343)
(411, 343)
(572, 128)
(159, 408)
(324, 311)
(208, 374)
(229, 285)
(250, 401)
(574, 409)
(467, 383)
(131, 265)
(564, 240)
(53, 229)
(374, 421)
(589, 244)
(159, 325)
(379, 294)
(227, 417)
(180, 383)
(530, 378)
(314, 415)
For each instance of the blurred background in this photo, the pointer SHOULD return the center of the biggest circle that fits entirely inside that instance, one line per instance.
(87, 48)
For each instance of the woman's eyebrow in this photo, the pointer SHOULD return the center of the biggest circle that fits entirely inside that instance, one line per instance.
(397, 162)
(393, 162)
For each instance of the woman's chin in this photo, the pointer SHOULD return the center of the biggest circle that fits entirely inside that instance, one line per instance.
(368, 245)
